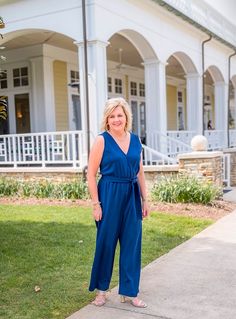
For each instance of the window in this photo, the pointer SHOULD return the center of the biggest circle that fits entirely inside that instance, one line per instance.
(141, 89)
(74, 80)
(118, 86)
(180, 96)
(74, 76)
(20, 77)
(3, 79)
(22, 111)
(133, 88)
(109, 84)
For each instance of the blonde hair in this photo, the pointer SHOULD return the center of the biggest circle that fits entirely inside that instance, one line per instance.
(110, 106)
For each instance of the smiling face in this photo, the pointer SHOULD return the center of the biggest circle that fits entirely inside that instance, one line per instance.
(117, 120)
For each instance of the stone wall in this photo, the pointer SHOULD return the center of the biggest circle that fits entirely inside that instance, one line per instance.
(62, 175)
(155, 173)
(54, 175)
(203, 165)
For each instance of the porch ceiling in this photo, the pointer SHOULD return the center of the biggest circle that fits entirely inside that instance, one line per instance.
(129, 54)
(40, 37)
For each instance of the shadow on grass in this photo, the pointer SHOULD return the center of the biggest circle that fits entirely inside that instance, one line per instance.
(58, 256)
(55, 257)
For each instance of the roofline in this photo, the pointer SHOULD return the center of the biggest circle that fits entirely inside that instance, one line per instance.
(186, 18)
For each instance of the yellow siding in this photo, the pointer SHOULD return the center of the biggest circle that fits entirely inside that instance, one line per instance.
(171, 108)
(61, 95)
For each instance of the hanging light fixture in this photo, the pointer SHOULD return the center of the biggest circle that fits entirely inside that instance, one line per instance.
(2, 24)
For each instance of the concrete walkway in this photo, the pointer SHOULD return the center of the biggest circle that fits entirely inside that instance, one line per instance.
(230, 195)
(196, 280)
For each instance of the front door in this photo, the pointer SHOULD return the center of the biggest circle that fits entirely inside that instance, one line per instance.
(76, 112)
(22, 112)
(139, 120)
(180, 111)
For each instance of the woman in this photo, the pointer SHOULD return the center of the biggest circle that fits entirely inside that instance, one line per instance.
(117, 206)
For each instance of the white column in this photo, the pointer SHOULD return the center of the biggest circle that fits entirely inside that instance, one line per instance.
(97, 84)
(43, 104)
(49, 99)
(221, 108)
(155, 87)
(194, 103)
(37, 107)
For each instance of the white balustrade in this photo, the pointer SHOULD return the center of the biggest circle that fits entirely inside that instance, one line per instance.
(42, 149)
(152, 157)
(215, 139)
(172, 144)
(226, 169)
(232, 138)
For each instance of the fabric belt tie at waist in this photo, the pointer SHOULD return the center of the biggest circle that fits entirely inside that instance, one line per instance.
(135, 193)
(119, 179)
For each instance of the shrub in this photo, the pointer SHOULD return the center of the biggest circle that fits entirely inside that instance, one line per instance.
(185, 189)
(73, 190)
(8, 187)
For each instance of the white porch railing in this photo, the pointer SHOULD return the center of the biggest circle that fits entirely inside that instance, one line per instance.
(171, 144)
(42, 149)
(215, 139)
(232, 138)
(183, 136)
(153, 157)
(226, 169)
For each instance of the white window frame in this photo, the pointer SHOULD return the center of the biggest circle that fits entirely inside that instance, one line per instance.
(180, 105)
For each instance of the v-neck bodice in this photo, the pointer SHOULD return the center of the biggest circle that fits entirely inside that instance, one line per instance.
(119, 147)
(115, 162)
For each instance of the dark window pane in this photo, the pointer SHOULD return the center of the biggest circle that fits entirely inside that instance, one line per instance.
(4, 84)
(24, 81)
(24, 71)
(16, 82)
(16, 73)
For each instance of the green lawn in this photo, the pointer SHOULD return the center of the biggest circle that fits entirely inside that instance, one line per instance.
(52, 247)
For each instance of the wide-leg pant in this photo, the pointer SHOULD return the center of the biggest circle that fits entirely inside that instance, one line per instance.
(120, 222)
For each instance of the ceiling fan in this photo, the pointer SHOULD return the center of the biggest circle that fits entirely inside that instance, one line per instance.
(120, 65)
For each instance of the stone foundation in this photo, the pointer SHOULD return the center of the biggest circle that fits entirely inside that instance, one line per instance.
(62, 175)
(203, 165)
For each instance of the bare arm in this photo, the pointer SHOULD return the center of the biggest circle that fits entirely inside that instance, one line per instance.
(95, 158)
(142, 185)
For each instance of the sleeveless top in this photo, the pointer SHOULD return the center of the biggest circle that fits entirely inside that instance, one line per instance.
(115, 162)
(119, 183)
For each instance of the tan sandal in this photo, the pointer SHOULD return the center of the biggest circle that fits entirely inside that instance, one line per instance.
(100, 300)
(136, 302)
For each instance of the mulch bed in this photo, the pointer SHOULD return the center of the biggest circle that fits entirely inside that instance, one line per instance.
(215, 211)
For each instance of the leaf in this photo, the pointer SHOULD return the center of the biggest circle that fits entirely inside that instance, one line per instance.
(37, 288)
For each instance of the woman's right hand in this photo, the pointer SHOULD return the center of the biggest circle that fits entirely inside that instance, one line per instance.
(97, 213)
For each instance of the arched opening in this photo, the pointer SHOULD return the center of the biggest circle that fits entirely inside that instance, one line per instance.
(213, 84)
(34, 80)
(179, 70)
(126, 54)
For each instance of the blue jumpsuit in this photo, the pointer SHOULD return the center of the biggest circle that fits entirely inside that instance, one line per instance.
(119, 194)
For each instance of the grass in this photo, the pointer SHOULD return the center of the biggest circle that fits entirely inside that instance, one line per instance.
(52, 247)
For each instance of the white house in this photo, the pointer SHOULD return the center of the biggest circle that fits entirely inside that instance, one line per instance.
(172, 60)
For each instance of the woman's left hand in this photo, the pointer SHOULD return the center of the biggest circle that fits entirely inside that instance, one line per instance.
(145, 209)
